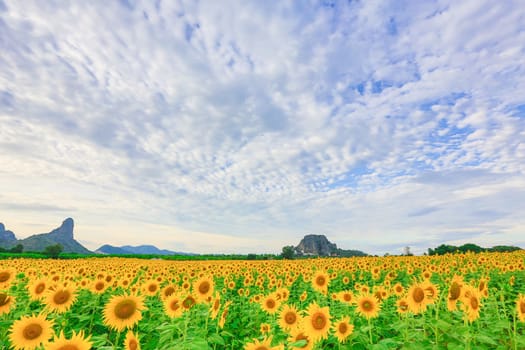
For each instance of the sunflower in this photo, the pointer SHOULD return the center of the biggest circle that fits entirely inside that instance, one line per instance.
(431, 291)
(60, 298)
(6, 302)
(215, 306)
(417, 300)
(402, 306)
(173, 306)
(99, 287)
(270, 304)
(342, 329)
(471, 303)
(151, 287)
(168, 291)
(454, 292)
(123, 311)
(368, 306)
(266, 344)
(6, 276)
(203, 288)
(132, 341)
(317, 322)
(29, 332)
(320, 282)
(398, 289)
(520, 307)
(289, 318)
(37, 289)
(303, 296)
(188, 302)
(224, 314)
(265, 328)
(299, 336)
(346, 296)
(76, 342)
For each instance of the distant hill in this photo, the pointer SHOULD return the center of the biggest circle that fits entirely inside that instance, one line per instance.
(319, 245)
(37, 243)
(141, 249)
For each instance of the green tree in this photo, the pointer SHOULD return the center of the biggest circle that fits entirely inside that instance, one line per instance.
(17, 249)
(53, 251)
(288, 252)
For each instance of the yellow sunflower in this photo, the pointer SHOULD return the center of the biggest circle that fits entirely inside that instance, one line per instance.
(215, 307)
(520, 307)
(6, 277)
(402, 306)
(417, 300)
(76, 342)
(151, 287)
(266, 344)
(299, 336)
(29, 332)
(346, 296)
(37, 288)
(320, 282)
(60, 298)
(454, 292)
(132, 341)
(265, 328)
(224, 314)
(289, 318)
(343, 329)
(368, 306)
(6, 302)
(99, 286)
(471, 302)
(203, 288)
(123, 311)
(173, 306)
(270, 304)
(317, 322)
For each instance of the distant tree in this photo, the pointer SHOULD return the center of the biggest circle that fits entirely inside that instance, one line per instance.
(17, 249)
(251, 257)
(470, 247)
(504, 248)
(53, 251)
(288, 252)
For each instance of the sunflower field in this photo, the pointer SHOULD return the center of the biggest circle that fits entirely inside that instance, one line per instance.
(462, 301)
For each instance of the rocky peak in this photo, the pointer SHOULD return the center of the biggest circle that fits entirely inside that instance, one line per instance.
(7, 238)
(65, 230)
(316, 245)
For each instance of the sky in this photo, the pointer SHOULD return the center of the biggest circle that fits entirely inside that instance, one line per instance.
(241, 126)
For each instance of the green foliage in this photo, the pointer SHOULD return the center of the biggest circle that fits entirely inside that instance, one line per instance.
(288, 252)
(53, 251)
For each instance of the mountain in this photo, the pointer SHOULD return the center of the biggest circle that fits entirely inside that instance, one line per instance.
(141, 249)
(37, 243)
(7, 238)
(319, 245)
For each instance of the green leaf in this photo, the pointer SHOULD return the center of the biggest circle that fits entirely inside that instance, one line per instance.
(216, 339)
(482, 338)
(299, 343)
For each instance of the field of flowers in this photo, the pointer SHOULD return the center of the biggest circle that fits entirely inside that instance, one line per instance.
(466, 301)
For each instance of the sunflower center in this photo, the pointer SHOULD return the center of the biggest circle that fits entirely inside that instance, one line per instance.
(403, 306)
(522, 307)
(152, 287)
(99, 286)
(188, 302)
(474, 303)
(61, 297)
(342, 328)
(32, 331)
(125, 309)
(347, 297)
(262, 348)
(4, 276)
(133, 344)
(418, 295)
(204, 287)
(216, 304)
(367, 305)
(320, 281)
(319, 321)
(270, 303)
(169, 291)
(174, 305)
(40, 288)
(290, 317)
(4, 299)
(455, 291)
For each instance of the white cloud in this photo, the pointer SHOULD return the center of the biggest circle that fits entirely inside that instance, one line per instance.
(259, 121)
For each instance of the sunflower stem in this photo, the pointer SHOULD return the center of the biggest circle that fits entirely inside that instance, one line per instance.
(370, 330)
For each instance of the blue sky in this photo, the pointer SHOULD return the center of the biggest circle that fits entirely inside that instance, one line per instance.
(241, 126)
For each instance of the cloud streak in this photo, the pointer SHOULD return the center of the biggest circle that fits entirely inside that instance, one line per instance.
(266, 122)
